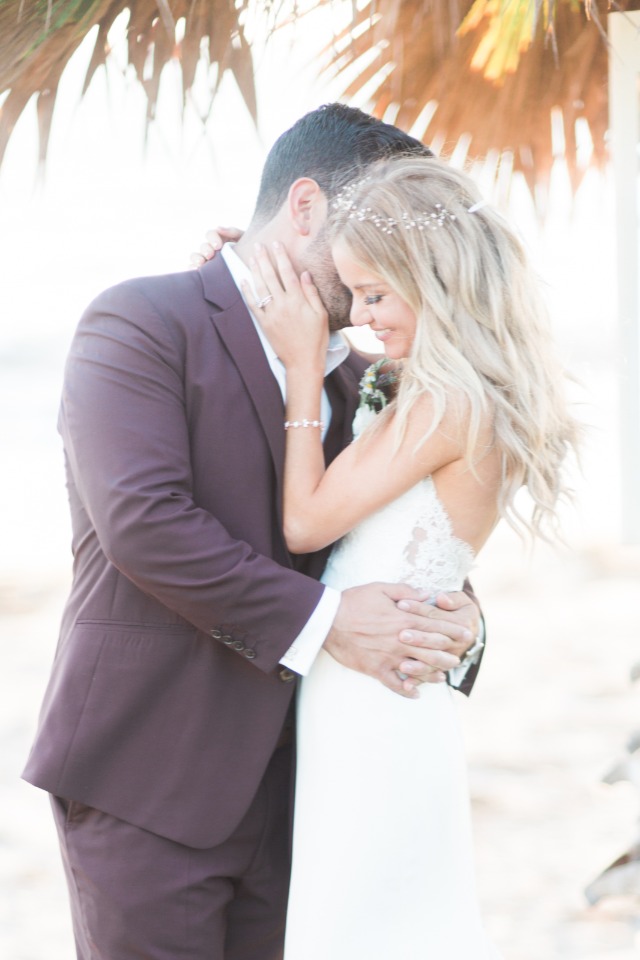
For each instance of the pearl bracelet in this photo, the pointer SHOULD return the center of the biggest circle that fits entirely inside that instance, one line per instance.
(303, 423)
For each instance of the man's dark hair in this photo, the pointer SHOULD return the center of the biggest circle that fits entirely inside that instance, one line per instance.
(332, 145)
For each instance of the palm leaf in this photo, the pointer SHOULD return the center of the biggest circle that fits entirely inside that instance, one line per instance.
(38, 37)
(490, 80)
(484, 74)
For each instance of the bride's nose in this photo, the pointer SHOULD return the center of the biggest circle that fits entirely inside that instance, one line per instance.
(360, 315)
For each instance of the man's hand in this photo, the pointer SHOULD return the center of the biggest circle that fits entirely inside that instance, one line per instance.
(214, 242)
(371, 633)
(452, 621)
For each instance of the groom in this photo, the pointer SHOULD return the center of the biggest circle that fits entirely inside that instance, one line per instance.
(165, 735)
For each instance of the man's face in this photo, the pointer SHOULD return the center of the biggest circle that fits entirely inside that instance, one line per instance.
(318, 261)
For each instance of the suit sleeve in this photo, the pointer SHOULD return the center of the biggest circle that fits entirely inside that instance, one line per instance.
(125, 428)
(465, 676)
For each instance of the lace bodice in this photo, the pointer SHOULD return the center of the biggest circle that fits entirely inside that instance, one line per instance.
(408, 541)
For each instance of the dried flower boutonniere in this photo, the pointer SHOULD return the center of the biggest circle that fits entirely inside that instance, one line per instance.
(377, 388)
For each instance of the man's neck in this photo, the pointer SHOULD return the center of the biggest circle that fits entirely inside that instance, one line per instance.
(278, 228)
(245, 247)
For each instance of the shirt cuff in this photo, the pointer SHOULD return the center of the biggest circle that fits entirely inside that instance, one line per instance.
(305, 648)
(457, 674)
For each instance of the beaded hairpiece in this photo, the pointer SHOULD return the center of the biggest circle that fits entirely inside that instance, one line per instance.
(425, 220)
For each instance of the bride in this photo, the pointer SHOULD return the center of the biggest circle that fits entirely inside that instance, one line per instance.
(478, 413)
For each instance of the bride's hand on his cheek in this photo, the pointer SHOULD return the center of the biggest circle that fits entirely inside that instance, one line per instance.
(289, 309)
(215, 240)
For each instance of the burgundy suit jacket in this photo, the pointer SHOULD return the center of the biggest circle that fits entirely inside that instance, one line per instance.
(166, 698)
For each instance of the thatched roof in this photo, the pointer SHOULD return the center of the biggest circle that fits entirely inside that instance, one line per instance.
(38, 37)
(482, 74)
(486, 76)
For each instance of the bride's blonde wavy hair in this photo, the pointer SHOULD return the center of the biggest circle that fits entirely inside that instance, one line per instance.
(482, 344)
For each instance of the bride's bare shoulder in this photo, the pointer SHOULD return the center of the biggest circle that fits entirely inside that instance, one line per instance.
(448, 421)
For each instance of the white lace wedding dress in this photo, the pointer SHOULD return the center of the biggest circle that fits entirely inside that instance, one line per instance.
(382, 858)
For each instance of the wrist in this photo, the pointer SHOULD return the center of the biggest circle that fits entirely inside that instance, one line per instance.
(304, 393)
(307, 375)
(472, 654)
(304, 422)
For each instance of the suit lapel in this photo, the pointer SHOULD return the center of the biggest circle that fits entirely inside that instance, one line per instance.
(342, 389)
(235, 327)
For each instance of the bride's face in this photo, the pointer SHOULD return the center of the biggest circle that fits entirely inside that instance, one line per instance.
(374, 303)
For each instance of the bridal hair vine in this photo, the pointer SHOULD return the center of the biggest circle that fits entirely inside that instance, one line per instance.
(426, 220)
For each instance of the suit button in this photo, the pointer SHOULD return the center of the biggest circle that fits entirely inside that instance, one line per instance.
(238, 645)
(228, 641)
(287, 675)
(216, 634)
(249, 653)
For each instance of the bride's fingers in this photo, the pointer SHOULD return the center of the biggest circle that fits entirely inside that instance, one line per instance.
(268, 275)
(251, 300)
(260, 291)
(215, 240)
(220, 235)
(292, 283)
(311, 293)
(207, 252)
(288, 276)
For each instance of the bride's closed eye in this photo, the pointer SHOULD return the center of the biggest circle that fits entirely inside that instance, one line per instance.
(373, 298)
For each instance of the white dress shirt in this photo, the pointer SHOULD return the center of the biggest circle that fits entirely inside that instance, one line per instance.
(305, 647)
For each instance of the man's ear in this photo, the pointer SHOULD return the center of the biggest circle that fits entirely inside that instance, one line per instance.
(307, 206)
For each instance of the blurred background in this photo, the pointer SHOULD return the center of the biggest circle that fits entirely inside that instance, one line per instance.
(164, 145)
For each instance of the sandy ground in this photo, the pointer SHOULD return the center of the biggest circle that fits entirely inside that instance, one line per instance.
(552, 712)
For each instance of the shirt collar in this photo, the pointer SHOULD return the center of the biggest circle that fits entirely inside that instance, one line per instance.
(337, 350)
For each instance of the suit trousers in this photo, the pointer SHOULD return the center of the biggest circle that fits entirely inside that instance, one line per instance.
(137, 895)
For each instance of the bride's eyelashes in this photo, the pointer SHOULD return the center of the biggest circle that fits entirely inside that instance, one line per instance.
(373, 298)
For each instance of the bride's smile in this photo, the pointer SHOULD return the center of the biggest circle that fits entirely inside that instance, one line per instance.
(375, 304)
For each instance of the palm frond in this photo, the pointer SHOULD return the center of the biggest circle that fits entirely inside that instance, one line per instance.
(487, 75)
(493, 79)
(38, 38)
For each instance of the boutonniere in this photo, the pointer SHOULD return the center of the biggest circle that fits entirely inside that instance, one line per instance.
(377, 389)
(378, 385)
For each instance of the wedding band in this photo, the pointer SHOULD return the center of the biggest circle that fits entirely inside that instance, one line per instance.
(265, 300)
(401, 675)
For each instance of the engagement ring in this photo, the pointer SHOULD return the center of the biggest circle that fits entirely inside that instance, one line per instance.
(265, 300)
